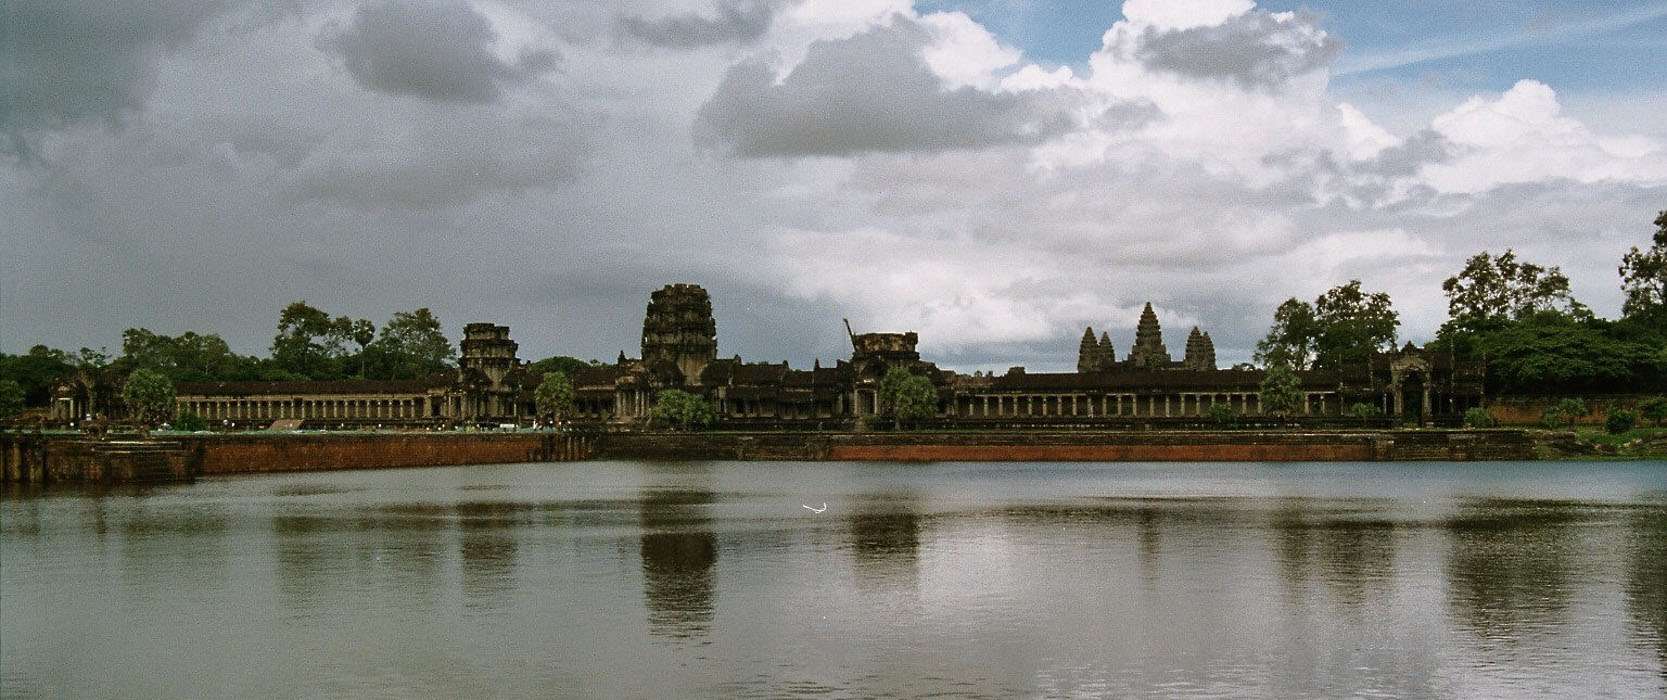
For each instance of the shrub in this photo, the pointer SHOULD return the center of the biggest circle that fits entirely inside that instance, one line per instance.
(1655, 409)
(1478, 417)
(1571, 411)
(1619, 421)
(190, 422)
(1221, 413)
(684, 410)
(1365, 411)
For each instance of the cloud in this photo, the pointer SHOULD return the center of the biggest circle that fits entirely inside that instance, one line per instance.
(1184, 14)
(1261, 50)
(439, 50)
(735, 21)
(872, 92)
(68, 61)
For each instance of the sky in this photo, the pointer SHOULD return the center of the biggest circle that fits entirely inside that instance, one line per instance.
(994, 174)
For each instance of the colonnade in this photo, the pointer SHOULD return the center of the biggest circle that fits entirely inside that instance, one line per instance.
(388, 408)
(1167, 405)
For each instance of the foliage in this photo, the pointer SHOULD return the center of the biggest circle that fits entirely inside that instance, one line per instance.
(1221, 413)
(681, 409)
(1291, 339)
(363, 332)
(560, 363)
(11, 398)
(1281, 392)
(1654, 408)
(36, 371)
(189, 422)
(309, 342)
(413, 345)
(149, 396)
(1619, 420)
(554, 396)
(1478, 417)
(1644, 275)
(1366, 411)
(1565, 413)
(1352, 325)
(1496, 288)
(188, 357)
(915, 400)
(1550, 352)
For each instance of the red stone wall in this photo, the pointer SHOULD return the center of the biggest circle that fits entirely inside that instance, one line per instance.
(1530, 410)
(255, 453)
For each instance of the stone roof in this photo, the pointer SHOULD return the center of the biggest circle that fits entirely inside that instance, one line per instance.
(353, 387)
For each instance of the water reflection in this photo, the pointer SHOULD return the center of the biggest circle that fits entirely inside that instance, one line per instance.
(1646, 584)
(679, 555)
(487, 551)
(1509, 567)
(884, 532)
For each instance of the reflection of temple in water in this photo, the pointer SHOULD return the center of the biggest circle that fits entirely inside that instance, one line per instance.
(1646, 585)
(679, 556)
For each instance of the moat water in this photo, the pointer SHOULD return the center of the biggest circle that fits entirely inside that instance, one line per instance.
(618, 579)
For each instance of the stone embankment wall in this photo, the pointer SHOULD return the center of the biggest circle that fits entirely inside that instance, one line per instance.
(1220, 446)
(249, 453)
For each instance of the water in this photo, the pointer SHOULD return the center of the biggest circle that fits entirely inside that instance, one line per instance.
(618, 579)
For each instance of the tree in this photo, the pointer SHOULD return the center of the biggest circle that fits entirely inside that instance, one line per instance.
(1501, 287)
(1619, 420)
(37, 372)
(554, 396)
(1550, 353)
(11, 398)
(1654, 408)
(1281, 390)
(561, 363)
(413, 345)
(1644, 275)
(1291, 339)
(189, 422)
(309, 343)
(187, 358)
(363, 332)
(1352, 325)
(1221, 413)
(916, 399)
(1565, 413)
(681, 409)
(1478, 417)
(149, 396)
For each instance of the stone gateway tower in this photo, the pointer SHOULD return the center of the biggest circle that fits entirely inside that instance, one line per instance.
(1095, 356)
(679, 331)
(1201, 351)
(1148, 350)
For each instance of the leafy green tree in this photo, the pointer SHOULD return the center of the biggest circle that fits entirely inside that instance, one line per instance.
(1491, 292)
(1291, 339)
(11, 398)
(1478, 417)
(1566, 413)
(187, 358)
(1619, 420)
(1281, 390)
(1551, 352)
(189, 422)
(149, 396)
(1352, 325)
(916, 400)
(413, 345)
(1644, 275)
(1654, 409)
(1365, 411)
(1221, 413)
(309, 342)
(681, 409)
(36, 372)
(363, 332)
(560, 363)
(554, 396)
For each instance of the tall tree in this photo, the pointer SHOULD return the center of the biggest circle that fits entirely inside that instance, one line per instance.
(682, 409)
(11, 398)
(1352, 325)
(37, 372)
(1281, 390)
(413, 345)
(187, 358)
(1491, 288)
(1291, 339)
(149, 396)
(363, 332)
(1644, 275)
(309, 342)
(554, 396)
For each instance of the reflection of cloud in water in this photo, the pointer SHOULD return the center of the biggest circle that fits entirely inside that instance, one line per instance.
(679, 553)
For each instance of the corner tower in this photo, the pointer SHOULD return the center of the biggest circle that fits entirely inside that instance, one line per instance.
(679, 329)
(1201, 351)
(488, 350)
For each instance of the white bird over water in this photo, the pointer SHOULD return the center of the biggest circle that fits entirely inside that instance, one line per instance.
(816, 510)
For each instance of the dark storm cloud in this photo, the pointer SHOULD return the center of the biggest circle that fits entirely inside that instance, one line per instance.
(737, 21)
(66, 61)
(433, 50)
(1255, 50)
(872, 92)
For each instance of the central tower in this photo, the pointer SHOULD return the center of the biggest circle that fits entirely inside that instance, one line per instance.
(679, 330)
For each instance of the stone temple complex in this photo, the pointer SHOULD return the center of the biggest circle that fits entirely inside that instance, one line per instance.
(680, 351)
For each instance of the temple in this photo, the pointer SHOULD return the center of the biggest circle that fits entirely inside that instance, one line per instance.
(679, 350)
